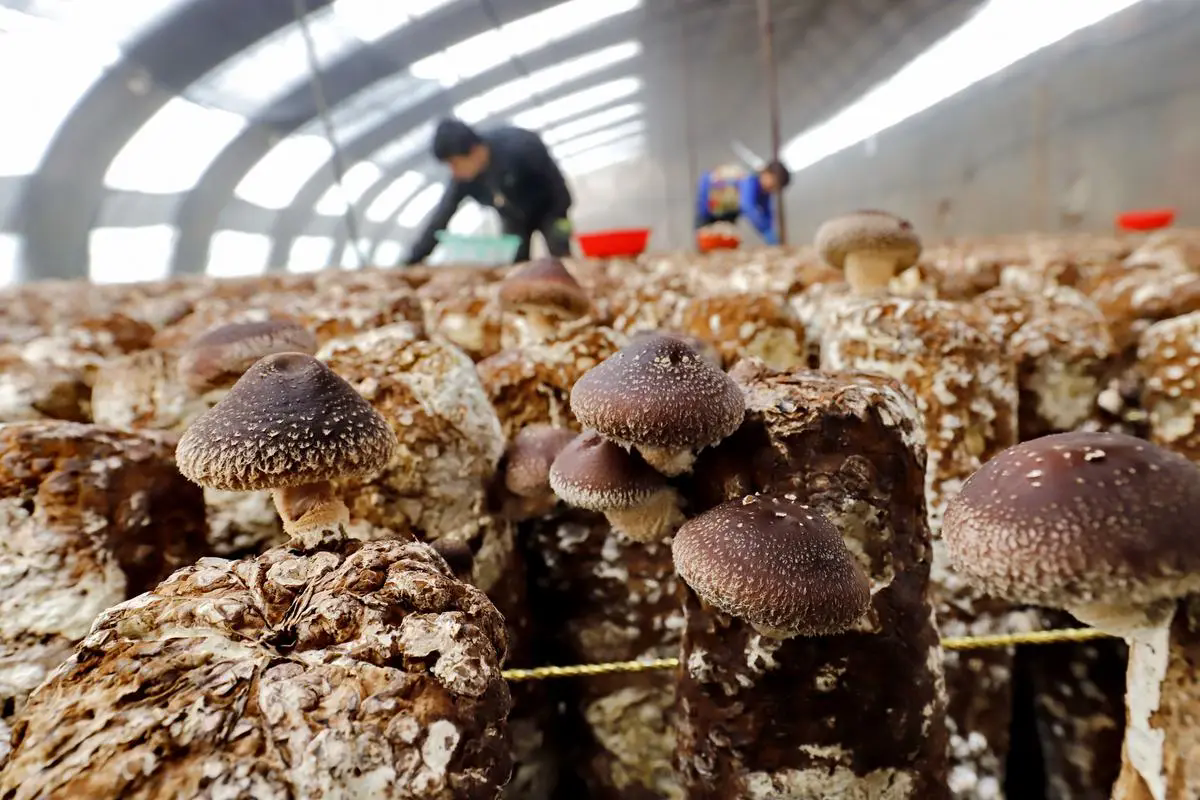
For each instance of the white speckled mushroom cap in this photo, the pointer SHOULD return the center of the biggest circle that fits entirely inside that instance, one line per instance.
(774, 563)
(593, 473)
(230, 349)
(658, 392)
(867, 231)
(544, 283)
(288, 421)
(1078, 518)
(530, 454)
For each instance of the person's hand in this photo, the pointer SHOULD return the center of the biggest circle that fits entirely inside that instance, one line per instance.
(562, 227)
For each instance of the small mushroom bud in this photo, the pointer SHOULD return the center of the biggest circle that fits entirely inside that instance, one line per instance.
(597, 475)
(219, 356)
(871, 247)
(543, 293)
(527, 467)
(289, 424)
(781, 566)
(658, 396)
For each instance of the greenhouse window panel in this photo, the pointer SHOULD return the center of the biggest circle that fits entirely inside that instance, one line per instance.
(339, 197)
(172, 150)
(371, 20)
(545, 80)
(420, 206)
(419, 138)
(604, 157)
(10, 253)
(484, 51)
(65, 63)
(583, 144)
(130, 255)
(352, 257)
(237, 254)
(309, 253)
(279, 175)
(592, 122)
(1000, 34)
(387, 253)
(382, 100)
(118, 22)
(578, 103)
(387, 204)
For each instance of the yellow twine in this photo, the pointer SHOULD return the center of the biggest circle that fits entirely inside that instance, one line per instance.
(949, 643)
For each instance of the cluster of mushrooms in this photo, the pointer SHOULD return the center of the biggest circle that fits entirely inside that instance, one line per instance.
(341, 660)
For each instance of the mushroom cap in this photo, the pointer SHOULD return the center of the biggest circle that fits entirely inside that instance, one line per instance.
(774, 563)
(530, 454)
(706, 350)
(593, 473)
(229, 350)
(658, 392)
(288, 421)
(545, 284)
(1078, 518)
(868, 231)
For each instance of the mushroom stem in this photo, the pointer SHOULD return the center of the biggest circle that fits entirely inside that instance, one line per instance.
(1162, 697)
(309, 507)
(535, 326)
(667, 462)
(869, 273)
(658, 518)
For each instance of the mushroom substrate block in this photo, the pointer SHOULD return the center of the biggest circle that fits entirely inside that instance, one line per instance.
(34, 391)
(1169, 362)
(747, 324)
(349, 669)
(607, 598)
(450, 441)
(89, 517)
(761, 718)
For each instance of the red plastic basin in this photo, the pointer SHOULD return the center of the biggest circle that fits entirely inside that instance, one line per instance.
(708, 242)
(622, 243)
(1150, 219)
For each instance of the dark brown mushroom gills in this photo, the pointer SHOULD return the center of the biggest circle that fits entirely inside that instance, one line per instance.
(594, 474)
(1103, 525)
(544, 294)
(870, 247)
(289, 424)
(218, 357)
(774, 563)
(659, 396)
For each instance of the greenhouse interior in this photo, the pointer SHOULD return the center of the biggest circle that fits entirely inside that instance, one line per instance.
(600, 400)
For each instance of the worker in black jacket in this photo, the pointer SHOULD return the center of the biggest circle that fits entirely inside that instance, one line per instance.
(508, 169)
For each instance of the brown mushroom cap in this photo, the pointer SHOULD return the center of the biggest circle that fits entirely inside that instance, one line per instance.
(868, 231)
(658, 392)
(223, 353)
(593, 473)
(1078, 518)
(775, 563)
(546, 285)
(706, 350)
(288, 421)
(530, 454)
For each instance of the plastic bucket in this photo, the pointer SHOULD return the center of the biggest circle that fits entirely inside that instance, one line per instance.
(487, 251)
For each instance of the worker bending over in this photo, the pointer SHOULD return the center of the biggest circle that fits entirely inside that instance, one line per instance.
(508, 169)
(729, 192)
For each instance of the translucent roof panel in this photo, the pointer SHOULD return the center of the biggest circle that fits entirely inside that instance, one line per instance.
(592, 122)
(580, 102)
(582, 144)
(406, 146)
(523, 89)
(309, 253)
(119, 23)
(415, 210)
(482, 52)
(279, 175)
(235, 254)
(173, 149)
(61, 62)
(128, 255)
(10, 251)
(278, 64)
(364, 110)
(609, 155)
(354, 257)
(387, 253)
(388, 202)
(339, 197)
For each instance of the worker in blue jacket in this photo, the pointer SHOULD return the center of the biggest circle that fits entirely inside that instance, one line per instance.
(727, 193)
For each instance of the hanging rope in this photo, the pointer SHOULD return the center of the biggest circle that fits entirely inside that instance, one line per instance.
(949, 643)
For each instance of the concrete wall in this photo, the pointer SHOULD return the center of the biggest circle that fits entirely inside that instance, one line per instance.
(1106, 120)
